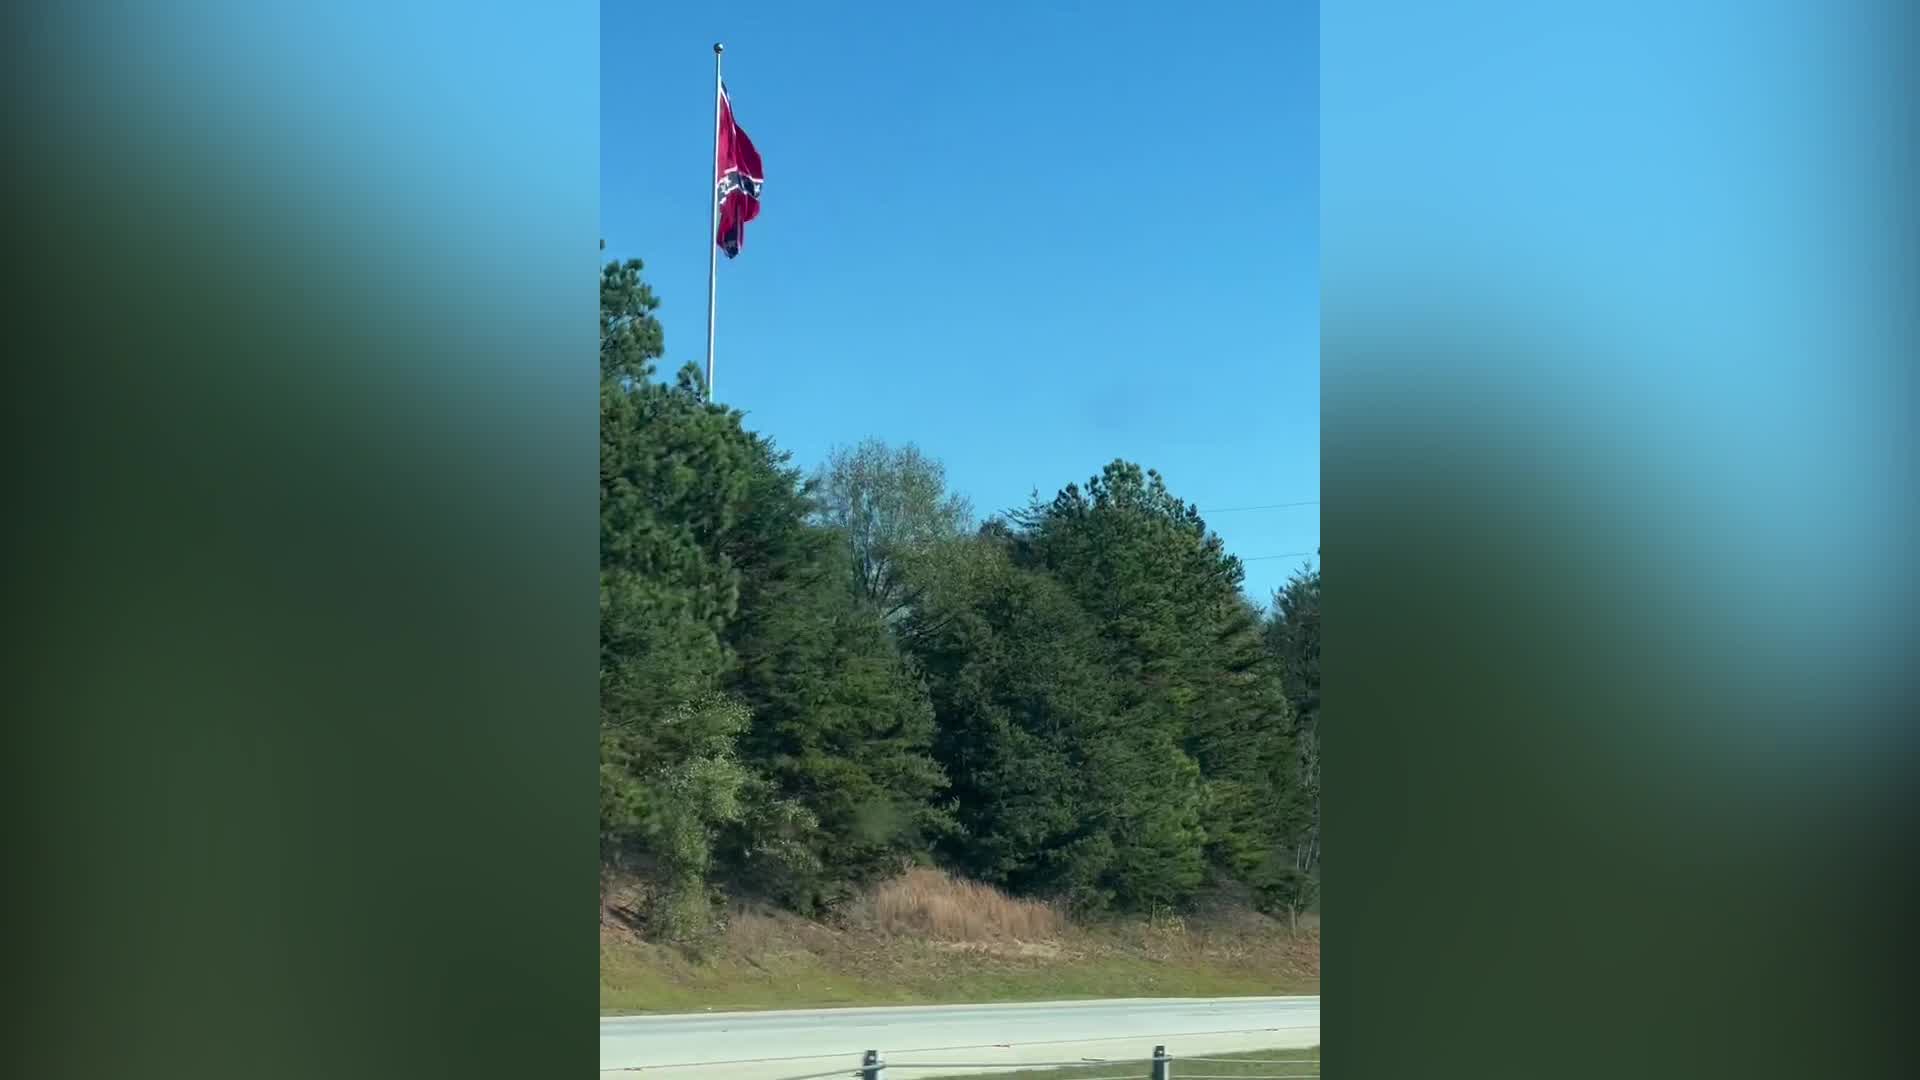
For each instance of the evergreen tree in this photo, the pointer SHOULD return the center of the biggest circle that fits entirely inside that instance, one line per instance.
(842, 724)
(807, 686)
(675, 479)
(1026, 727)
(1240, 730)
(1293, 636)
(1199, 698)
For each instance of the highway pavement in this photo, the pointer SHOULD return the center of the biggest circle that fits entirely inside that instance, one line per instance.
(777, 1045)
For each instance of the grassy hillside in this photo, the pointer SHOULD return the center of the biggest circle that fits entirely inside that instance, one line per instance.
(928, 939)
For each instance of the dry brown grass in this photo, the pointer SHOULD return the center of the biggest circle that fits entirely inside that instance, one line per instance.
(927, 938)
(897, 947)
(1303, 948)
(934, 905)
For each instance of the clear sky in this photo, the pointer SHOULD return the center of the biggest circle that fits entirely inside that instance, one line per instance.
(1029, 237)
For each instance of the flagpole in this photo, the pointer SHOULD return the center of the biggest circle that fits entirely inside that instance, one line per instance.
(713, 228)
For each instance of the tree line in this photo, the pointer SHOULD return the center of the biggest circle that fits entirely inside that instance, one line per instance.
(809, 681)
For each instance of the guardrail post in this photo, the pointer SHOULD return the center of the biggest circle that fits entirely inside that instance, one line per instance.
(870, 1067)
(1162, 1064)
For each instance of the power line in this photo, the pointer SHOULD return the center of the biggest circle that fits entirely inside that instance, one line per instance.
(1266, 506)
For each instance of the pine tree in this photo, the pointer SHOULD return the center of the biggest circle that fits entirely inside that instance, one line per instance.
(1207, 731)
(670, 778)
(805, 687)
(1026, 720)
(842, 724)
(1293, 637)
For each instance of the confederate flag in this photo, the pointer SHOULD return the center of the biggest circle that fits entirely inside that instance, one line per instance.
(737, 175)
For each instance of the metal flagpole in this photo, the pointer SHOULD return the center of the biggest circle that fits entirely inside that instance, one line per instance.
(713, 228)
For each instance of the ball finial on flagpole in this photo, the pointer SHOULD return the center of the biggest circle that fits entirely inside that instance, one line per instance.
(718, 47)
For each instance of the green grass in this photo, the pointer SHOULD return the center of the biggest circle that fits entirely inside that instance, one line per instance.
(632, 981)
(1260, 1063)
(784, 963)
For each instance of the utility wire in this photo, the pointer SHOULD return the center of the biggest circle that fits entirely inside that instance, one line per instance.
(1268, 506)
(1264, 506)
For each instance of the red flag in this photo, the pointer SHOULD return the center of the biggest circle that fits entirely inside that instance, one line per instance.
(737, 175)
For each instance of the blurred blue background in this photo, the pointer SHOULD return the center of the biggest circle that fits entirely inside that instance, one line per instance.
(1618, 340)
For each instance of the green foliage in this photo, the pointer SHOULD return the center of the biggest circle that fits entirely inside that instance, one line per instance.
(1202, 773)
(1293, 637)
(842, 723)
(1293, 633)
(1241, 732)
(671, 483)
(1025, 716)
(806, 686)
(1115, 726)
(816, 775)
(892, 508)
(630, 335)
(667, 789)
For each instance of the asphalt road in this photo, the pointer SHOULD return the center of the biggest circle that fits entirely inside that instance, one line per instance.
(773, 1045)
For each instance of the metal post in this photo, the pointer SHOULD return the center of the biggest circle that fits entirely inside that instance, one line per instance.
(1162, 1064)
(713, 227)
(870, 1067)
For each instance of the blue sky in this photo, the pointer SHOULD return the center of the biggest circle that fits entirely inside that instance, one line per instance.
(1030, 238)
